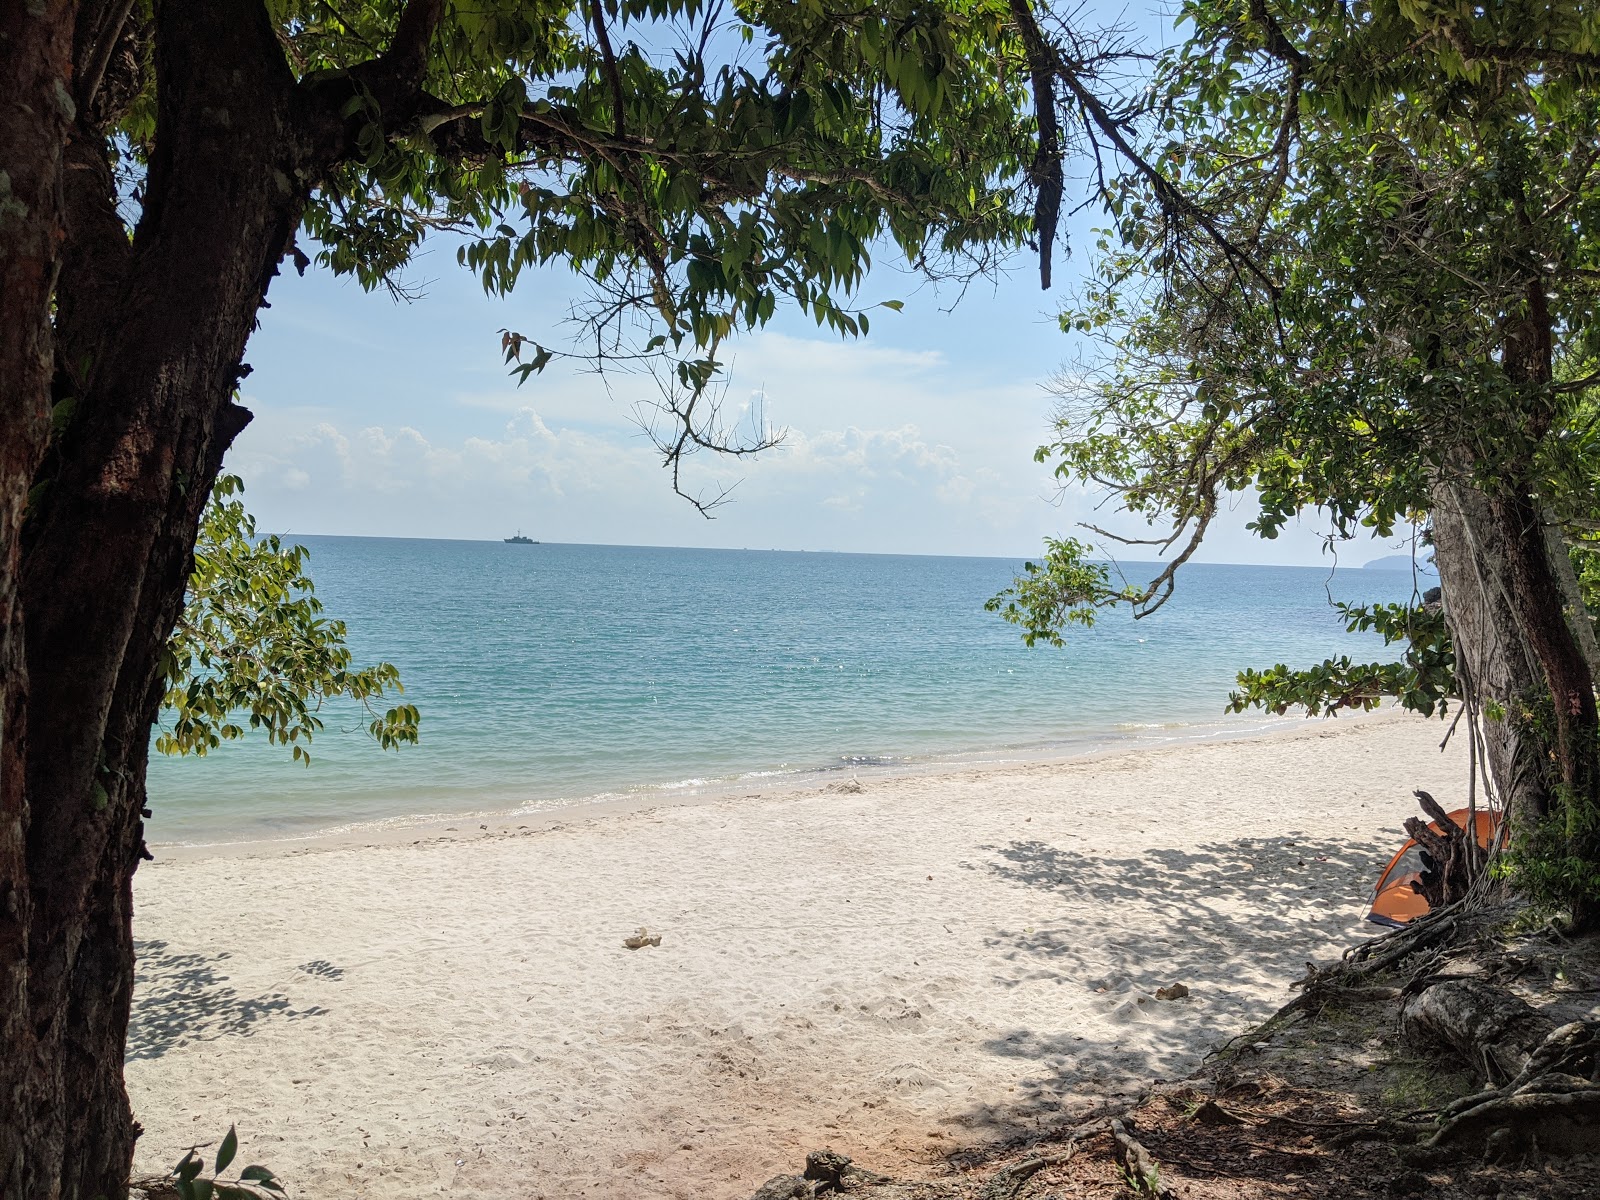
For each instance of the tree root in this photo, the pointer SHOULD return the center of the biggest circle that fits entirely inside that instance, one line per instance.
(1137, 1165)
(1343, 982)
(1379, 955)
(1551, 1105)
(1531, 1121)
(1008, 1183)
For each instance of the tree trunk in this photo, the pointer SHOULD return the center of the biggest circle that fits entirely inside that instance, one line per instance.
(1537, 595)
(150, 338)
(139, 345)
(1529, 361)
(1578, 618)
(1492, 655)
(35, 62)
(1538, 598)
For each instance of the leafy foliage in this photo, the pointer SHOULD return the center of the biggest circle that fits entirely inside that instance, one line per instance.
(1389, 227)
(1586, 562)
(191, 1181)
(1067, 588)
(253, 646)
(1555, 860)
(1354, 268)
(699, 162)
(1422, 681)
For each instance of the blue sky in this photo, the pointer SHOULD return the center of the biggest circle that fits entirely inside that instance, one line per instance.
(386, 419)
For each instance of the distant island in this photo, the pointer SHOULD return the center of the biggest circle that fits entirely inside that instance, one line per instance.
(1400, 562)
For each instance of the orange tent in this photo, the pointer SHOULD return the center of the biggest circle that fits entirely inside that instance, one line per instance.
(1396, 900)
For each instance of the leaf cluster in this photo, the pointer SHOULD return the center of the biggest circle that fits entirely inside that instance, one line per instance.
(1396, 227)
(191, 1181)
(1423, 681)
(1554, 860)
(1067, 588)
(698, 161)
(1355, 257)
(253, 649)
(701, 163)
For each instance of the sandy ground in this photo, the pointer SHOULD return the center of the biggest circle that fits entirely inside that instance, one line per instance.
(929, 961)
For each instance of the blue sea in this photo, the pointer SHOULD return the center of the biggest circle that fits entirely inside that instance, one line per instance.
(551, 674)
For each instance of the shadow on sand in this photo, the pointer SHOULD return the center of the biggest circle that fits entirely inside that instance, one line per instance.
(183, 998)
(1229, 920)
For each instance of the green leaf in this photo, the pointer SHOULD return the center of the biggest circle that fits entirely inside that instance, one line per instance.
(225, 1152)
(190, 1167)
(252, 650)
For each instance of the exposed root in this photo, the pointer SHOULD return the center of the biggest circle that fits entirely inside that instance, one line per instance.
(1533, 1121)
(1136, 1163)
(1550, 1106)
(1008, 1183)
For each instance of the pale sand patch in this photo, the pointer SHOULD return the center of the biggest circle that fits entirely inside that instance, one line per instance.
(935, 959)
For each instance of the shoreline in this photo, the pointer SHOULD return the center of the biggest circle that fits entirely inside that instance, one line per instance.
(760, 785)
(895, 971)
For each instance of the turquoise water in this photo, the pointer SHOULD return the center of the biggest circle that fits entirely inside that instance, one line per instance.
(552, 673)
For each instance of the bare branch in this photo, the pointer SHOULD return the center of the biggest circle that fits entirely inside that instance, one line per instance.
(104, 46)
(1278, 43)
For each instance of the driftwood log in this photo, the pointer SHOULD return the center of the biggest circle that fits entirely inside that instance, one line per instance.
(1487, 1027)
(1452, 858)
(1542, 1091)
(1139, 1168)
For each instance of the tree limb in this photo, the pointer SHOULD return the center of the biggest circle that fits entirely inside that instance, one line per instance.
(406, 59)
(598, 20)
(1046, 169)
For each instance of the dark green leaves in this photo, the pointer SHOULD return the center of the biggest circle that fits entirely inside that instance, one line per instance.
(225, 1152)
(253, 1183)
(700, 188)
(1392, 222)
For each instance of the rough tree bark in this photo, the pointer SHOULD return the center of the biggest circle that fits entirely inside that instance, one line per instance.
(1529, 359)
(1492, 654)
(1538, 598)
(141, 366)
(1559, 552)
(35, 57)
(1485, 1026)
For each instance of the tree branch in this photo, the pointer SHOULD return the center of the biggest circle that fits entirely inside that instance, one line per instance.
(1167, 193)
(1046, 169)
(406, 59)
(105, 45)
(1278, 43)
(598, 20)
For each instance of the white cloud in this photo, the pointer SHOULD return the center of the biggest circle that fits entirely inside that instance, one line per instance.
(885, 450)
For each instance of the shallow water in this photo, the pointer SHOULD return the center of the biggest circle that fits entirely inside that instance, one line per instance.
(551, 673)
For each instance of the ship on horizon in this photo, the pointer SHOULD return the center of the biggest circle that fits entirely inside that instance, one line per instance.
(519, 540)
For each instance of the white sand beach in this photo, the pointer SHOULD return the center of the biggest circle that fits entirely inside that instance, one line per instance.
(930, 961)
